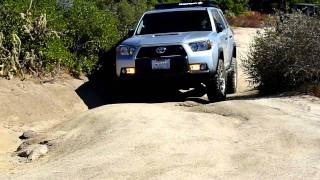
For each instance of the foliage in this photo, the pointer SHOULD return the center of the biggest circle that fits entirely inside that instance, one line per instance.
(249, 19)
(21, 52)
(129, 13)
(235, 7)
(305, 1)
(71, 39)
(286, 56)
(90, 30)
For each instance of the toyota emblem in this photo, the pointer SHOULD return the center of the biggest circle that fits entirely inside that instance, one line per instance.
(161, 50)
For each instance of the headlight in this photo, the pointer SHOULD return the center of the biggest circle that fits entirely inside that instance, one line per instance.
(125, 50)
(200, 45)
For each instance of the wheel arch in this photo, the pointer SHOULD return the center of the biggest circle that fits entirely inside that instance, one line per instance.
(220, 56)
(234, 51)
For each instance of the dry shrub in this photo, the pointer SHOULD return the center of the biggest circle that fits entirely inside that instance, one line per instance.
(249, 19)
(316, 91)
(286, 56)
(312, 89)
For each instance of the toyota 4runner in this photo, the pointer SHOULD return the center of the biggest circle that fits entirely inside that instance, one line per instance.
(183, 45)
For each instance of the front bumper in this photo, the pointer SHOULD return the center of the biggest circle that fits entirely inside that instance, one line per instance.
(209, 57)
(179, 74)
(181, 56)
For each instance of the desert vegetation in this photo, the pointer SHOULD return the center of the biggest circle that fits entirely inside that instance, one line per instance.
(286, 55)
(43, 38)
(248, 19)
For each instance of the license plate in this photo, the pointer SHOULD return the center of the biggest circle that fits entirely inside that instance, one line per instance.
(160, 64)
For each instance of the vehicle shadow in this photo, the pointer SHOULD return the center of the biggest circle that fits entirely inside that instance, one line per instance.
(100, 93)
(95, 94)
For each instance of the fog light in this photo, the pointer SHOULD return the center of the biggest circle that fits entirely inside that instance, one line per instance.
(194, 67)
(198, 67)
(131, 70)
(128, 70)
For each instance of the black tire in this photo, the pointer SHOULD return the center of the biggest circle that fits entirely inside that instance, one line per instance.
(232, 78)
(216, 86)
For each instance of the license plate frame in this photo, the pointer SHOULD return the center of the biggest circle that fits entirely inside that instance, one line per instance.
(161, 64)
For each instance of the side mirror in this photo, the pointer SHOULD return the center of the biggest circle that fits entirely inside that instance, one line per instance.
(131, 32)
(219, 27)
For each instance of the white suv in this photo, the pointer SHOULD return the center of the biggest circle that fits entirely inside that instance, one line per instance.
(184, 44)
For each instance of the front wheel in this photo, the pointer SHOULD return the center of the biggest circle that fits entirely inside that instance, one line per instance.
(216, 86)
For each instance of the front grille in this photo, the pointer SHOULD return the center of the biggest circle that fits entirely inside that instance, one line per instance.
(150, 52)
(176, 54)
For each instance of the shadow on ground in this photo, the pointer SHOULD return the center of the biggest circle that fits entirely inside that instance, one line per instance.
(99, 93)
(95, 94)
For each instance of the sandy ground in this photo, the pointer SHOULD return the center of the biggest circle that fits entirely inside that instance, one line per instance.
(243, 37)
(246, 137)
(27, 105)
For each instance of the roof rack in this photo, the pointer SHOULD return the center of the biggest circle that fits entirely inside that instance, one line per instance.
(186, 5)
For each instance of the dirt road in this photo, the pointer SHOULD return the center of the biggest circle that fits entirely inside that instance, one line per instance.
(246, 137)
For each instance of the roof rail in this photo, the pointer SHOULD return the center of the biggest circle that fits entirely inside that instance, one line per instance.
(186, 5)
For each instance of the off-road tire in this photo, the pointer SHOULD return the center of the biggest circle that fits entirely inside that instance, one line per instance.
(232, 77)
(216, 86)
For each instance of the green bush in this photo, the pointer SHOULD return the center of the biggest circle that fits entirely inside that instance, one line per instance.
(24, 35)
(286, 56)
(56, 34)
(235, 7)
(90, 30)
(127, 12)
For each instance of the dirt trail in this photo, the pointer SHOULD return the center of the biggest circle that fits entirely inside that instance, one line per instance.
(248, 138)
(243, 37)
(275, 138)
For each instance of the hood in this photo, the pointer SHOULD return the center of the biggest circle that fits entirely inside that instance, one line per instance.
(167, 38)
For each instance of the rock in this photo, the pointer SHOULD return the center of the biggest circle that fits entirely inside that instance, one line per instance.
(28, 134)
(26, 150)
(38, 152)
(23, 145)
(33, 151)
(46, 143)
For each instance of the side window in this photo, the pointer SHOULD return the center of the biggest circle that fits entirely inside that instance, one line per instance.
(224, 19)
(219, 22)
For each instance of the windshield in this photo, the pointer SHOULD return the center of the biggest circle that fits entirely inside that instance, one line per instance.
(178, 21)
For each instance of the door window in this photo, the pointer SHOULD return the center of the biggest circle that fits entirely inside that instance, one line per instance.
(224, 19)
(219, 23)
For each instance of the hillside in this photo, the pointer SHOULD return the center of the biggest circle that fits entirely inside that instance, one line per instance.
(246, 137)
